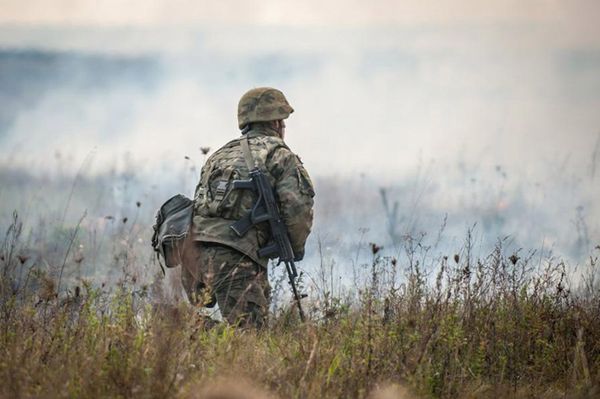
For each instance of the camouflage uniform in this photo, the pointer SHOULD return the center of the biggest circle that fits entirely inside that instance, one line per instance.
(227, 266)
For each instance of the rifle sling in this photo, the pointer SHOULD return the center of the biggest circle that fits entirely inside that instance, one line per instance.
(247, 153)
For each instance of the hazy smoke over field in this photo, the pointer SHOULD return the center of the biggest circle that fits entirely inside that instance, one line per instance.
(459, 122)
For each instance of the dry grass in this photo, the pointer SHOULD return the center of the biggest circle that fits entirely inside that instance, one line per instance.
(479, 328)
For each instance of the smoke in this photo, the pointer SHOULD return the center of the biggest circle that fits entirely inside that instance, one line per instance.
(493, 125)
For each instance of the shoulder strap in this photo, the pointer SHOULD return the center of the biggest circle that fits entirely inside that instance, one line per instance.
(247, 153)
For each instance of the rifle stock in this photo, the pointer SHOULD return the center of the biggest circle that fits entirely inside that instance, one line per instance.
(243, 184)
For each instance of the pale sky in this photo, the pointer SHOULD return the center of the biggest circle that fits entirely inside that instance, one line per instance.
(580, 15)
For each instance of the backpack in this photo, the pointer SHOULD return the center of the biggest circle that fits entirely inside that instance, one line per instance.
(173, 221)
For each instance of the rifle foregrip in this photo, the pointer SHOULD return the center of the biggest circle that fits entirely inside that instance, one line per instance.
(269, 251)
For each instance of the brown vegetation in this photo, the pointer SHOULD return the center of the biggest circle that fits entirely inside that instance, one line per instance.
(481, 328)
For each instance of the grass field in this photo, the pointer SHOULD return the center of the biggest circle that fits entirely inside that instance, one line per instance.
(498, 326)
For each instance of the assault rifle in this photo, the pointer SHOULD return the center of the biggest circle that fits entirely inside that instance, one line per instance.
(265, 209)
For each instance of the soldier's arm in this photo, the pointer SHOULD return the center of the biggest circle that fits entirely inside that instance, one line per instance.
(295, 194)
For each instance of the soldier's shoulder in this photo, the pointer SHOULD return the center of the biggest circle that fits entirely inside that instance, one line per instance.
(284, 155)
(224, 149)
(231, 143)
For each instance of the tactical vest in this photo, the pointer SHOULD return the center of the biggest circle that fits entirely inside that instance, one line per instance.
(217, 205)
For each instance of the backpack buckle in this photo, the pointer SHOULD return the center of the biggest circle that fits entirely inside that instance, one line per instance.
(221, 190)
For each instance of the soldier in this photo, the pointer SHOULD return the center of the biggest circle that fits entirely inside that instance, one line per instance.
(223, 266)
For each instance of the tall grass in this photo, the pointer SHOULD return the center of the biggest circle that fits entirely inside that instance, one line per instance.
(498, 326)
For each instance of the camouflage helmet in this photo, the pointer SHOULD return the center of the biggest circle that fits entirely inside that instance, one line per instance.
(262, 104)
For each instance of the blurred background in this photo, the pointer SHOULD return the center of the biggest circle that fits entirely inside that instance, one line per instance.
(418, 121)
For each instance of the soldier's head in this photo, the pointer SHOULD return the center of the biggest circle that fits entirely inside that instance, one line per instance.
(264, 105)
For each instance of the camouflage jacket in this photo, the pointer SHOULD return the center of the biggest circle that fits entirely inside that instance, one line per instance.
(217, 205)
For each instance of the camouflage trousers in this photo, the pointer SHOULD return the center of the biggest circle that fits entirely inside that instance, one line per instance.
(239, 285)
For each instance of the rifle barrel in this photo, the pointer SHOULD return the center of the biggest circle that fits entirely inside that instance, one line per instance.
(289, 267)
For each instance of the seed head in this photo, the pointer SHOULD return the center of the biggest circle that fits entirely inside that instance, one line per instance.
(204, 150)
(456, 258)
(375, 248)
